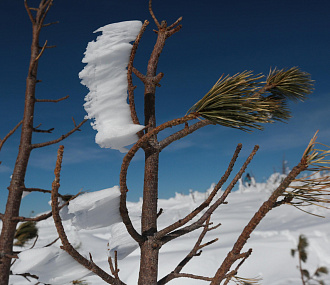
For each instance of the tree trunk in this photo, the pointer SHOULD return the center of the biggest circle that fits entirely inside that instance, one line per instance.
(17, 185)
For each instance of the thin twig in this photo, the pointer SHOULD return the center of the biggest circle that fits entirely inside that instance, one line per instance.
(41, 52)
(38, 145)
(47, 215)
(28, 9)
(206, 203)
(9, 134)
(182, 133)
(153, 15)
(255, 220)
(129, 76)
(194, 252)
(214, 206)
(53, 101)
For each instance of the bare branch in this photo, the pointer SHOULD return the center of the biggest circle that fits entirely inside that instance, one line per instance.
(49, 24)
(28, 9)
(114, 268)
(153, 15)
(53, 101)
(139, 75)
(51, 243)
(206, 203)
(194, 252)
(174, 24)
(9, 134)
(217, 203)
(60, 230)
(173, 31)
(49, 131)
(129, 76)
(255, 220)
(42, 51)
(244, 256)
(49, 214)
(38, 145)
(44, 8)
(182, 133)
(124, 167)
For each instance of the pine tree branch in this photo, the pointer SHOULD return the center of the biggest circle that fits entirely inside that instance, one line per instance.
(194, 252)
(51, 100)
(76, 128)
(47, 215)
(215, 205)
(129, 76)
(255, 220)
(182, 133)
(166, 231)
(66, 245)
(153, 15)
(124, 167)
(2, 141)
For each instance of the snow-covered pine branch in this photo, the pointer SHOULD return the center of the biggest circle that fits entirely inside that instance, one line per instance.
(105, 75)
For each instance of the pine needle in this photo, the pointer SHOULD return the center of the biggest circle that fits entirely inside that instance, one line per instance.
(244, 102)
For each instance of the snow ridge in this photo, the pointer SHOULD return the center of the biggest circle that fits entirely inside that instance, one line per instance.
(105, 75)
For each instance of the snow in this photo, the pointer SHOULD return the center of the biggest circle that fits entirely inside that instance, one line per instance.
(95, 209)
(271, 242)
(105, 75)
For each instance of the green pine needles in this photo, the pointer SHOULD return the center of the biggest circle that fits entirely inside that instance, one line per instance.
(313, 189)
(26, 231)
(245, 102)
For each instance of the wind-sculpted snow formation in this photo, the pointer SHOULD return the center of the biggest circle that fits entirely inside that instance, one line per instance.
(105, 75)
(94, 210)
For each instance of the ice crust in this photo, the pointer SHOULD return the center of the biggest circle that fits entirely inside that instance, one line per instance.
(105, 75)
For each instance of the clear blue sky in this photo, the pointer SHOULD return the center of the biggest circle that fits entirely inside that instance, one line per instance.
(217, 37)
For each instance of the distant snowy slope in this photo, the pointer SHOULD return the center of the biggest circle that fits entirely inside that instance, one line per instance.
(271, 242)
(105, 75)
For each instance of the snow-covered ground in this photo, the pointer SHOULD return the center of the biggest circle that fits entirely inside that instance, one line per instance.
(271, 242)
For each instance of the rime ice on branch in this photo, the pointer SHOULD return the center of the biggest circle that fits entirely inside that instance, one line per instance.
(105, 75)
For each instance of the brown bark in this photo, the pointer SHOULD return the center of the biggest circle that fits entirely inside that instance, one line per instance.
(11, 216)
(150, 246)
(17, 182)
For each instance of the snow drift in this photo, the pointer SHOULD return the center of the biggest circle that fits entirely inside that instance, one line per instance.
(105, 75)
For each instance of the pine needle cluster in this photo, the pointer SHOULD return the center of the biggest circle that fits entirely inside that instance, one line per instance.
(313, 189)
(25, 232)
(245, 102)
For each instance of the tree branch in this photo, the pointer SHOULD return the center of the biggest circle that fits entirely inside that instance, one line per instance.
(49, 24)
(205, 204)
(47, 215)
(194, 252)
(28, 9)
(38, 145)
(129, 76)
(60, 230)
(9, 134)
(53, 101)
(255, 220)
(124, 167)
(182, 133)
(42, 51)
(216, 204)
(153, 15)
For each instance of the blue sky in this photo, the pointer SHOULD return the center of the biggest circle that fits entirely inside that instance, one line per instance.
(218, 37)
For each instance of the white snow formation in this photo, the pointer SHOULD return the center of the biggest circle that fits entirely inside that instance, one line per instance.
(105, 75)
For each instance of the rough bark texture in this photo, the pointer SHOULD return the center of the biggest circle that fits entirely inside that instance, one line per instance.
(17, 182)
